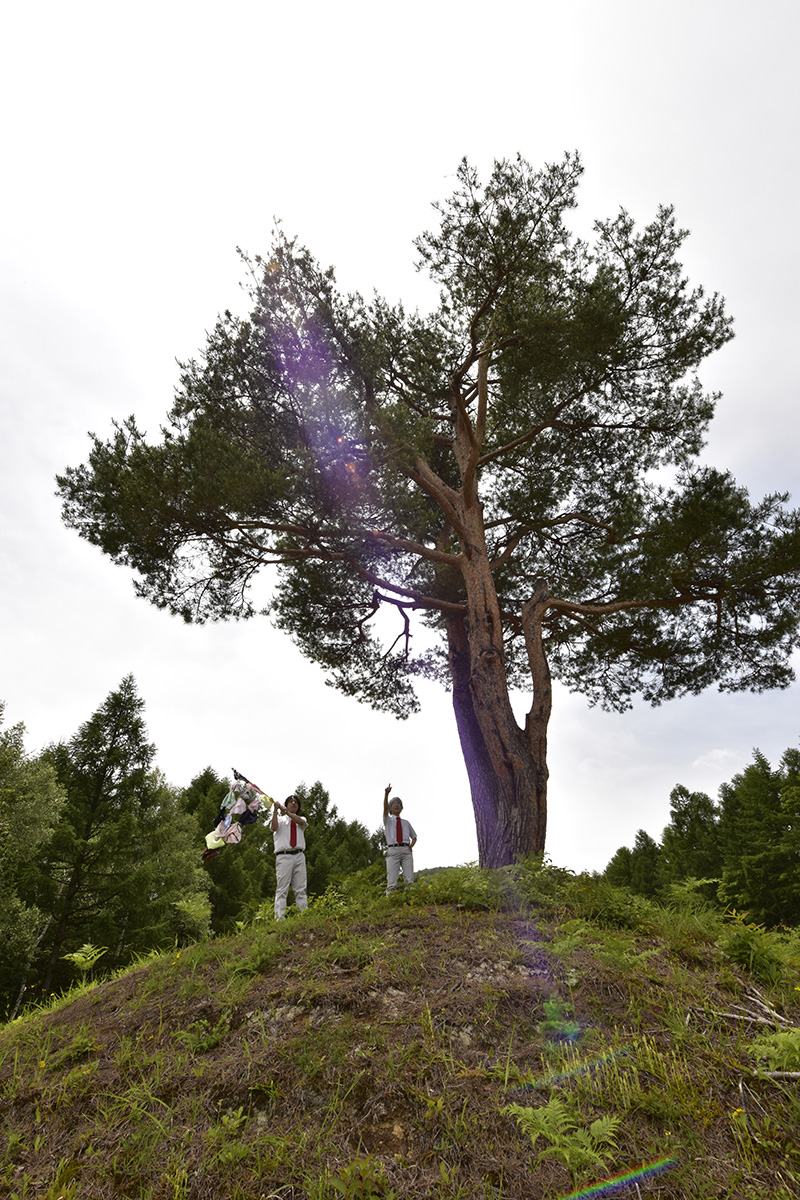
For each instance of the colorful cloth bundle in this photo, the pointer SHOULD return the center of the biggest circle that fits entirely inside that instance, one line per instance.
(239, 808)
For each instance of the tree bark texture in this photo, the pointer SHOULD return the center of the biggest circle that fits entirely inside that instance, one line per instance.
(506, 765)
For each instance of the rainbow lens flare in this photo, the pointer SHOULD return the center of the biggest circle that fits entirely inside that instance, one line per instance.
(621, 1181)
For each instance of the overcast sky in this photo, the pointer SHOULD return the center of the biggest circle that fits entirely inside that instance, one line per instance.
(142, 144)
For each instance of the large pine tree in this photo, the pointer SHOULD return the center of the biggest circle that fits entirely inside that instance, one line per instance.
(490, 468)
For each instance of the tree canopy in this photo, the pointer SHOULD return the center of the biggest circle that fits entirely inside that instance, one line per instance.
(518, 469)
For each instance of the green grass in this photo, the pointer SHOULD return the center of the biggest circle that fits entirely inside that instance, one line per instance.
(489, 1035)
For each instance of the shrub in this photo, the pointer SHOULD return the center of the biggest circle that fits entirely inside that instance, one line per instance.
(753, 948)
(613, 907)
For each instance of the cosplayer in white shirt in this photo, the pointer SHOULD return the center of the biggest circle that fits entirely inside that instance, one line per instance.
(288, 834)
(400, 840)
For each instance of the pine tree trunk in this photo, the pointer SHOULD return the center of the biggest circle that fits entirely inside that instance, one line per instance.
(506, 765)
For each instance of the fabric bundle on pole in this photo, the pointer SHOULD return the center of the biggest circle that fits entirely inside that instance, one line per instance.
(238, 809)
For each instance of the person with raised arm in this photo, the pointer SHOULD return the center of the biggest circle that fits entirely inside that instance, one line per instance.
(400, 841)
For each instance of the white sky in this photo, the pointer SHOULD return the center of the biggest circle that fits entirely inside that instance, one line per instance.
(141, 144)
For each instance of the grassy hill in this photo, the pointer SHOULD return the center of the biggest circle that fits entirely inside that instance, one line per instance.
(519, 1035)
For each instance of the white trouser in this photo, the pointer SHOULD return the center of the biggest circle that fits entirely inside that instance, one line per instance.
(290, 871)
(398, 857)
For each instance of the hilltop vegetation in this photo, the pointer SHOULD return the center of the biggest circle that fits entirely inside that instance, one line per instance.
(511, 1034)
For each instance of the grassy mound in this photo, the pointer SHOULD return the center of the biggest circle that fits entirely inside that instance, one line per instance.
(514, 1035)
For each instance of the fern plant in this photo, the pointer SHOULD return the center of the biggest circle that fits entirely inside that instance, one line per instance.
(753, 947)
(576, 1147)
(201, 1036)
(85, 958)
(780, 1050)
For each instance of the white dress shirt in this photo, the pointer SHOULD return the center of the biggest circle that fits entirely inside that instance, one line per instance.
(281, 835)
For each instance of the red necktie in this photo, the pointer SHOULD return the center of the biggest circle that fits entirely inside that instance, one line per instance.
(293, 834)
(399, 832)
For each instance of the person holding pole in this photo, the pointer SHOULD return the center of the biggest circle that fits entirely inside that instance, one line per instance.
(400, 841)
(288, 834)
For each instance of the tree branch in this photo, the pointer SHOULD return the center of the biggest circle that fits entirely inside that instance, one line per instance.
(446, 497)
(477, 436)
(419, 599)
(427, 552)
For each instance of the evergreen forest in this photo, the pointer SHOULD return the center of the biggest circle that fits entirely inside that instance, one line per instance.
(100, 859)
(742, 852)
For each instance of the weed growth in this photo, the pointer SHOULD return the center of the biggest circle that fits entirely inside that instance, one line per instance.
(390, 1048)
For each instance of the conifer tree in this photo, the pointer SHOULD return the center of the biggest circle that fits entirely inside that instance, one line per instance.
(336, 847)
(645, 864)
(30, 802)
(638, 869)
(760, 835)
(618, 870)
(493, 469)
(121, 853)
(690, 843)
